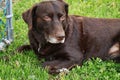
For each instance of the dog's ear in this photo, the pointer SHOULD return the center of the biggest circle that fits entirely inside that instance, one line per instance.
(60, 0)
(29, 15)
(66, 6)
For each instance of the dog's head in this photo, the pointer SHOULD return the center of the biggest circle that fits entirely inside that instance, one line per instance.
(49, 18)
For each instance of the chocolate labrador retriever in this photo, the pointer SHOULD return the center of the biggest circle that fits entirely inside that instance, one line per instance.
(65, 41)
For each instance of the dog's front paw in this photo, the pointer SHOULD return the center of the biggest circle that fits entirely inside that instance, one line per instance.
(20, 49)
(54, 69)
(64, 70)
(23, 48)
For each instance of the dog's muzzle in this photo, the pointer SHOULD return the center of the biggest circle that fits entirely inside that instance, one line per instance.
(55, 40)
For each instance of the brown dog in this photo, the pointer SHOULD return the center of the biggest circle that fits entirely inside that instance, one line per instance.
(65, 41)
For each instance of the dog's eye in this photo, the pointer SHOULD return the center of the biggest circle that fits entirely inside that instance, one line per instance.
(47, 18)
(62, 18)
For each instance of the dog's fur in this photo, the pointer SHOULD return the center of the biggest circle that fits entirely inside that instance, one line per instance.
(65, 41)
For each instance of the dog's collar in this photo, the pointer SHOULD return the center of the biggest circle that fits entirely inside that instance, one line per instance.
(39, 47)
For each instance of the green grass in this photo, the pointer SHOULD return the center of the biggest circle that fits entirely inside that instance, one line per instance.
(26, 66)
(2, 28)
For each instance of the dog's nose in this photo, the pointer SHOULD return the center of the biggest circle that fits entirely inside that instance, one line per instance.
(59, 38)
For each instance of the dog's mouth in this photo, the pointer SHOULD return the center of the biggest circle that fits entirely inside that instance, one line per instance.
(55, 40)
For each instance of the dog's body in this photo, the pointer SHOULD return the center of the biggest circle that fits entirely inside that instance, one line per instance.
(65, 41)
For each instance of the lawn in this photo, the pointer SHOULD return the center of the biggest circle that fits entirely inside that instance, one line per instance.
(26, 66)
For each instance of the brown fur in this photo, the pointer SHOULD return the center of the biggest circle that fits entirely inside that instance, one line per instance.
(84, 37)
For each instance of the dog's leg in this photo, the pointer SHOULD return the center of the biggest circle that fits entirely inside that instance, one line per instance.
(57, 66)
(114, 52)
(24, 48)
(65, 64)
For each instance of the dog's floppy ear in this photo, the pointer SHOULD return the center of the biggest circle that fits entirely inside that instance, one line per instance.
(66, 6)
(60, 0)
(29, 15)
